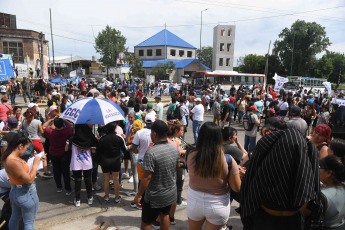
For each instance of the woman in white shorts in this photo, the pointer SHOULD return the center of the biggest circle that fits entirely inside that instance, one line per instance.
(208, 193)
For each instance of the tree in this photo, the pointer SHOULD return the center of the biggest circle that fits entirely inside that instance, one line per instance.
(302, 42)
(252, 63)
(109, 43)
(206, 55)
(330, 66)
(161, 70)
(136, 65)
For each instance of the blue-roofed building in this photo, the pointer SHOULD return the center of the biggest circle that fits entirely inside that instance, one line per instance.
(166, 46)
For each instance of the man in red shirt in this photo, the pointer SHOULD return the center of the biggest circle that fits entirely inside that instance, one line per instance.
(4, 107)
(274, 95)
(82, 84)
(139, 94)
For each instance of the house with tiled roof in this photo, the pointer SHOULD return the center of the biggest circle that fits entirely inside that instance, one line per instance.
(164, 47)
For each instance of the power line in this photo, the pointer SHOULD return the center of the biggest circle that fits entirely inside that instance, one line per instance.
(246, 7)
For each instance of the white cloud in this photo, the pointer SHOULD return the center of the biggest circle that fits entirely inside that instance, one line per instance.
(74, 19)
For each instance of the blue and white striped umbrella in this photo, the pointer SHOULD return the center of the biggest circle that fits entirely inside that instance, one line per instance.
(93, 111)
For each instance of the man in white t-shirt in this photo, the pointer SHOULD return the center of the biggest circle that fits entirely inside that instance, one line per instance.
(198, 116)
(159, 108)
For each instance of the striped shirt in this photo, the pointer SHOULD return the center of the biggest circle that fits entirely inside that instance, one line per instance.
(161, 159)
(283, 175)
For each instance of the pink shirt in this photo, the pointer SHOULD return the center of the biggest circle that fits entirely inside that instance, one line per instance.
(3, 111)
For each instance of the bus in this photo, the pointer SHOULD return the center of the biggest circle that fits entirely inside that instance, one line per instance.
(295, 82)
(225, 79)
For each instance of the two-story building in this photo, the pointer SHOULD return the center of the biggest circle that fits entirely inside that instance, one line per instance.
(164, 47)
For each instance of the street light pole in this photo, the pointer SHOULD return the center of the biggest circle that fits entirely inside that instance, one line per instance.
(200, 35)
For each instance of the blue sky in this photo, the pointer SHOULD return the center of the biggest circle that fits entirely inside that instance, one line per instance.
(257, 22)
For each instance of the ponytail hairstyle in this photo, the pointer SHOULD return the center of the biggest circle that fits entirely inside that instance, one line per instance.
(174, 125)
(337, 145)
(18, 139)
(228, 132)
(324, 130)
(336, 165)
(29, 114)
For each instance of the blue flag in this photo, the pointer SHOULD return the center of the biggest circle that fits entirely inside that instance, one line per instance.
(6, 71)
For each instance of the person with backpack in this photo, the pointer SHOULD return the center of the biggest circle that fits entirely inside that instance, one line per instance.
(173, 109)
(241, 106)
(251, 122)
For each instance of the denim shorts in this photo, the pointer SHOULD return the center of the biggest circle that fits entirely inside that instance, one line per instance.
(214, 208)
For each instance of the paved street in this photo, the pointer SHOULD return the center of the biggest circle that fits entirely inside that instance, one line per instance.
(56, 210)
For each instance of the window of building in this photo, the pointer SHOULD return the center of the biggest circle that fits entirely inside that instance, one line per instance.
(228, 62)
(220, 61)
(15, 48)
(158, 52)
(181, 53)
(222, 31)
(149, 52)
(221, 48)
(189, 53)
(141, 53)
(173, 52)
(229, 32)
(228, 47)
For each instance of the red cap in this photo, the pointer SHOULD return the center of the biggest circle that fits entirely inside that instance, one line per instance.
(253, 108)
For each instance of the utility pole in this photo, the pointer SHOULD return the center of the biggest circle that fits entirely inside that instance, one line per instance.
(41, 55)
(71, 65)
(200, 36)
(51, 33)
(49, 65)
(266, 66)
(165, 42)
(293, 47)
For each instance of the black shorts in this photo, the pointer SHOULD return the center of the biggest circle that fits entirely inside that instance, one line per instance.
(111, 165)
(148, 214)
(127, 156)
(283, 113)
(42, 93)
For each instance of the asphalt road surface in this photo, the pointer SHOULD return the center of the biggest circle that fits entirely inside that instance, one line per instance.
(56, 210)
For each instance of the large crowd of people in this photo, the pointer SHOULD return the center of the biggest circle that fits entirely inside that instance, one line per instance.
(289, 174)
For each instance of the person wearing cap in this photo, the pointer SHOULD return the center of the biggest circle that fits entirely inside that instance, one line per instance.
(296, 122)
(4, 107)
(150, 112)
(225, 115)
(198, 117)
(159, 108)
(25, 87)
(250, 135)
(216, 110)
(122, 101)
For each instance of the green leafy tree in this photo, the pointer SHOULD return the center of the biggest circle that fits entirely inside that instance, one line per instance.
(252, 63)
(302, 41)
(109, 43)
(162, 70)
(330, 66)
(206, 55)
(136, 65)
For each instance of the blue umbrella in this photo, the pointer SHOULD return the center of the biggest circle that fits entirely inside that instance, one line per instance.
(93, 111)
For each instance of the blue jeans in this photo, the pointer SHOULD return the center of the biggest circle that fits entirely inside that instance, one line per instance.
(13, 98)
(240, 114)
(196, 128)
(249, 143)
(24, 204)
